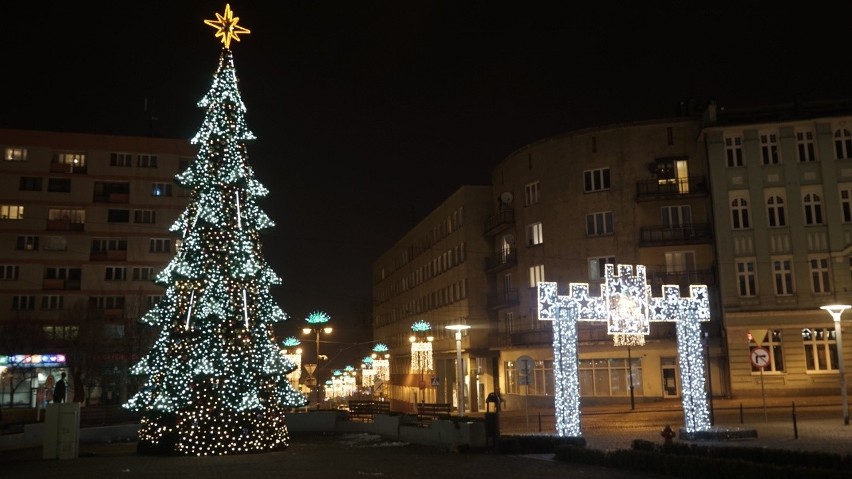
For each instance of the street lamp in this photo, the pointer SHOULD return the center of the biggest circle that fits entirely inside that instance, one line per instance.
(458, 328)
(316, 320)
(836, 310)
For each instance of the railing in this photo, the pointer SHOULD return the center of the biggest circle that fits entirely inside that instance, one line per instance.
(685, 234)
(508, 298)
(499, 222)
(671, 187)
(501, 260)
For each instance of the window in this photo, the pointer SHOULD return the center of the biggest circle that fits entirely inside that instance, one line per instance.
(534, 234)
(8, 272)
(161, 189)
(670, 135)
(143, 274)
(72, 216)
(72, 274)
(782, 272)
(596, 180)
(101, 245)
(118, 216)
(55, 243)
(734, 151)
(746, 279)
(15, 154)
(675, 216)
(23, 302)
(107, 302)
(115, 273)
(680, 261)
(531, 193)
(144, 216)
(30, 183)
(843, 144)
(610, 376)
(111, 192)
(146, 161)
(152, 300)
(71, 159)
(597, 266)
(11, 212)
(772, 343)
(160, 245)
(805, 146)
(820, 349)
(536, 275)
(769, 148)
(599, 223)
(846, 204)
(121, 159)
(52, 301)
(739, 214)
(59, 185)
(775, 211)
(27, 243)
(813, 209)
(819, 275)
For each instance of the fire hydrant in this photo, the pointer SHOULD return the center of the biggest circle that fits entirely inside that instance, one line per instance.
(668, 434)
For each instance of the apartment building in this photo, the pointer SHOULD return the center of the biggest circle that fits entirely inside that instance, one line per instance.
(84, 228)
(782, 190)
(434, 276)
(632, 194)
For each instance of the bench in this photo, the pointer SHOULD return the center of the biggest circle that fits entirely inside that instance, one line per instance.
(365, 410)
(426, 412)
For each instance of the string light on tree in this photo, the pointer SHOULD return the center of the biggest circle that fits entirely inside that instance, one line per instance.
(216, 381)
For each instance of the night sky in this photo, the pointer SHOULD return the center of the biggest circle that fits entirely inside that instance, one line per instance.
(369, 114)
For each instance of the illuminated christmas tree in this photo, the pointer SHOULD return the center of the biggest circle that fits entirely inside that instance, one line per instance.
(216, 379)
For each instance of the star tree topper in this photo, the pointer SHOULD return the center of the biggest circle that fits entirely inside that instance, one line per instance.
(227, 26)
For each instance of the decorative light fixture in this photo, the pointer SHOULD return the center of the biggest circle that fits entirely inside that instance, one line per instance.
(836, 310)
(631, 319)
(458, 328)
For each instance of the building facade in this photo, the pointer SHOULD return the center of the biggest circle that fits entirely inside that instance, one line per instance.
(84, 228)
(435, 276)
(782, 190)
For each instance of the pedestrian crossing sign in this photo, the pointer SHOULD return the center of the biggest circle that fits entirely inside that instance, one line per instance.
(435, 382)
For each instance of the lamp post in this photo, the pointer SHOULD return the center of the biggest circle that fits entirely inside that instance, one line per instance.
(836, 310)
(316, 320)
(458, 328)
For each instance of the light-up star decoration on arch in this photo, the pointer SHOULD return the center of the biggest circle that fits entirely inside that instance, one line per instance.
(628, 308)
(227, 27)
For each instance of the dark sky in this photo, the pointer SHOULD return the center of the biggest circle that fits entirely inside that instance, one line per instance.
(369, 114)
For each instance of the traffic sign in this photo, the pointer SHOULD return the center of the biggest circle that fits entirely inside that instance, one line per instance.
(760, 357)
(435, 382)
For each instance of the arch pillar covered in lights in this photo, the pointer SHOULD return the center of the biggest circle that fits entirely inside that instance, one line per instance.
(618, 290)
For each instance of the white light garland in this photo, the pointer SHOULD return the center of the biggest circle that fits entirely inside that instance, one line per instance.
(627, 306)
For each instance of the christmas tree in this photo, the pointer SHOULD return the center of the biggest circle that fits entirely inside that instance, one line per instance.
(216, 379)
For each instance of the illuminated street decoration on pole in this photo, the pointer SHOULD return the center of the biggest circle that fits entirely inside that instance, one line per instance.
(292, 351)
(626, 305)
(421, 348)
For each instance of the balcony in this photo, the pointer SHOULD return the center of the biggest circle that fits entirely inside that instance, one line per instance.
(63, 225)
(112, 198)
(502, 221)
(671, 235)
(660, 189)
(500, 261)
(502, 300)
(60, 284)
(67, 168)
(526, 338)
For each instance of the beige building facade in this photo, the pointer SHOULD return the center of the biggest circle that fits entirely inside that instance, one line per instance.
(84, 227)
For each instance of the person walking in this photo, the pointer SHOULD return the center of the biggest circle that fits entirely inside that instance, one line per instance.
(59, 390)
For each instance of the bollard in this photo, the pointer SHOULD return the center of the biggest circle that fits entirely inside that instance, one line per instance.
(741, 413)
(795, 426)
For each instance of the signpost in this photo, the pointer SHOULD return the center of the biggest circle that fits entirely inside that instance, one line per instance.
(760, 359)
